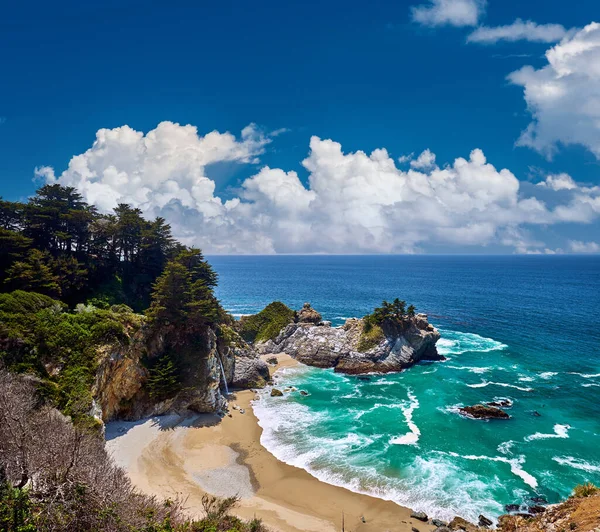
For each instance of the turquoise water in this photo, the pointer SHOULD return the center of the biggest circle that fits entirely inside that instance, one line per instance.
(522, 328)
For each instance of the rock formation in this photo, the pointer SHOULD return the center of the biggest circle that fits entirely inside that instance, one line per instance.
(308, 315)
(483, 412)
(319, 344)
(119, 390)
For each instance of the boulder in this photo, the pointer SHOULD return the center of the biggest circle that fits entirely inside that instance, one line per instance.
(250, 372)
(438, 523)
(421, 516)
(308, 315)
(483, 412)
(276, 393)
(458, 523)
(485, 522)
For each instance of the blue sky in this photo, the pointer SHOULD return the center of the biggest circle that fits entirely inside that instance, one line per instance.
(366, 76)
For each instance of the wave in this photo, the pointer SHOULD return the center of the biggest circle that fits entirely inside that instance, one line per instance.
(412, 437)
(472, 369)
(547, 375)
(560, 431)
(483, 384)
(515, 466)
(590, 385)
(506, 447)
(457, 343)
(577, 463)
(585, 375)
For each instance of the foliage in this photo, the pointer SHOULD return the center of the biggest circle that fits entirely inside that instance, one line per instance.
(164, 381)
(395, 312)
(38, 336)
(370, 336)
(267, 324)
(57, 244)
(57, 476)
(585, 490)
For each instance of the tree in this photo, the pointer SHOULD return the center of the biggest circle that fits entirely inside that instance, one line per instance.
(163, 381)
(411, 311)
(34, 274)
(171, 296)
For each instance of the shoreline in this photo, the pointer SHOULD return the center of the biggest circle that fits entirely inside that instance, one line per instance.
(187, 457)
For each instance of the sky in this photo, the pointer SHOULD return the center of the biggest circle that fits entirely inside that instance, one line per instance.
(417, 126)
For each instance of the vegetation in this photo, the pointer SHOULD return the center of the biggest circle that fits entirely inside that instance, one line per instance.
(396, 311)
(58, 245)
(370, 337)
(267, 323)
(57, 476)
(388, 315)
(585, 490)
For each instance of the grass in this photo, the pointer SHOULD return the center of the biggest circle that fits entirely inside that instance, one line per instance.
(370, 337)
(267, 324)
(585, 490)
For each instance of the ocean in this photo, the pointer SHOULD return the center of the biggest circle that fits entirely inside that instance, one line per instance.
(526, 328)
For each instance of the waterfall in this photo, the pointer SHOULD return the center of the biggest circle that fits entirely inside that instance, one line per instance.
(223, 374)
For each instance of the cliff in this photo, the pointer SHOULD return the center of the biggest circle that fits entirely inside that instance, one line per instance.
(354, 348)
(218, 356)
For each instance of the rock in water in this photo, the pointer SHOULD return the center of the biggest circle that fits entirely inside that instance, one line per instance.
(483, 412)
(276, 393)
(401, 345)
(421, 516)
(485, 522)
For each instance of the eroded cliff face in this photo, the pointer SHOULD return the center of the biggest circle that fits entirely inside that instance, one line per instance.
(120, 390)
(325, 346)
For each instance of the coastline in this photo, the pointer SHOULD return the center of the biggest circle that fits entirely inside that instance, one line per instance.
(189, 457)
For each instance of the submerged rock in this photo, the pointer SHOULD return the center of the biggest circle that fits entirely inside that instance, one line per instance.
(402, 344)
(501, 403)
(483, 412)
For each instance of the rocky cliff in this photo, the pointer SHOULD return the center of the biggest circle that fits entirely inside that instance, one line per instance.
(399, 346)
(219, 355)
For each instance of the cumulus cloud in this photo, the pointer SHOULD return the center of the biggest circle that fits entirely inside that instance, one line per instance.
(449, 12)
(577, 246)
(353, 202)
(563, 97)
(559, 182)
(519, 30)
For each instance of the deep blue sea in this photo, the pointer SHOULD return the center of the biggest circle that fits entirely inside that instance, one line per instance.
(525, 328)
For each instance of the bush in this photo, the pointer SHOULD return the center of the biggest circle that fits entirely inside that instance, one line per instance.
(57, 476)
(267, 324)
(370, 336)
(585, 490)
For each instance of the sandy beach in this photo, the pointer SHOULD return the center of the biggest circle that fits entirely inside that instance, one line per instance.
(187, 457)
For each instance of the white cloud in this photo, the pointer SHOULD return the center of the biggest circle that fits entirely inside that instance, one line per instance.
(563, 97)
(353, 202)
(449, 12)
(577, 246)
(519, 31)
(425, 160)
(559, 182)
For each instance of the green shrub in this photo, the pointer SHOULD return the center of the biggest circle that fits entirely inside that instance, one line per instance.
(267, 324)
(585, 490)
(370, 336)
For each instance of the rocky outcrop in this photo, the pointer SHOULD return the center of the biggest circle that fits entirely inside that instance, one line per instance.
(483, 412)
(119, 389)
(217, 355)
(576, 513)
(324, 346)
(308, 315)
